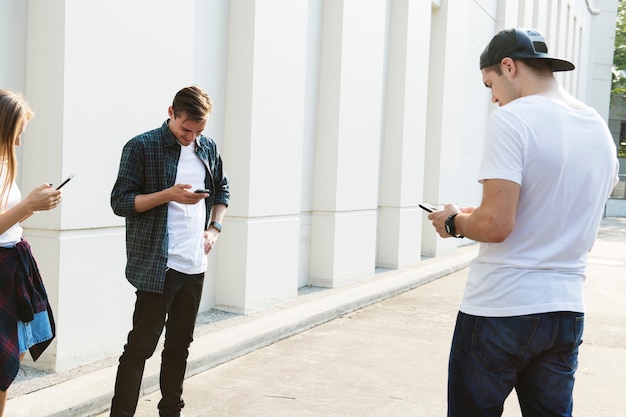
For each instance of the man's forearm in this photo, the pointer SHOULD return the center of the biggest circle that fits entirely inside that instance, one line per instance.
(218, 211)
(145, 202)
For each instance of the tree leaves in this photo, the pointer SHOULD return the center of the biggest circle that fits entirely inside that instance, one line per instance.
(619, 56)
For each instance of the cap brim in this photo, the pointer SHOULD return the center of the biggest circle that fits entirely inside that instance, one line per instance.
(561, 65)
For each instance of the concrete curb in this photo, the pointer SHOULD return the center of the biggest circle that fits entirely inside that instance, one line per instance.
(89, 395)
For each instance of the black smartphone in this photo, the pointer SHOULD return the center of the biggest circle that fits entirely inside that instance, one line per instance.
(202, 190)
(65, 182)
(428, 207)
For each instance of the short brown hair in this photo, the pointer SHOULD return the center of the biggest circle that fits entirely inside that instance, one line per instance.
(193, 102)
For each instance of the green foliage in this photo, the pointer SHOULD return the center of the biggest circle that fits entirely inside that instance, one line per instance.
(618, 85)
(619, 56)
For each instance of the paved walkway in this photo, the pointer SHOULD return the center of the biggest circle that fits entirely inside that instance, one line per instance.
(387, 359)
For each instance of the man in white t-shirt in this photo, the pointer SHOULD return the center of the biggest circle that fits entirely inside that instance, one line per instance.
(548, 167)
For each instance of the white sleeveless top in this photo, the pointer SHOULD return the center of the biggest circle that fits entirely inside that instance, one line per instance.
(14, 233)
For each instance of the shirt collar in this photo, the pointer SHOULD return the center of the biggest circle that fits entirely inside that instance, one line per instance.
(169, 138)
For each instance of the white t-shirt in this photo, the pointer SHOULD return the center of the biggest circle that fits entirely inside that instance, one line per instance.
(14, 234)
(185, 222)
(565, 162)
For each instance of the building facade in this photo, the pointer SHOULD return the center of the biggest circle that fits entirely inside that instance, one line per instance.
(335, 118)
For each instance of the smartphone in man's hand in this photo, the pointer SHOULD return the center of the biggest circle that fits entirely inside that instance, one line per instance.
(428, 207)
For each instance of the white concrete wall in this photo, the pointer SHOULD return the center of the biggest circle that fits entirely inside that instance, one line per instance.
(597, 83)
(404, 133)
(12, 44)
(335, 118)
(264, 119)
(13, 48)
(347, 153)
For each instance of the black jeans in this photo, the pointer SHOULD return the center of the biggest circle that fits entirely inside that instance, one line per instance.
(179, 303)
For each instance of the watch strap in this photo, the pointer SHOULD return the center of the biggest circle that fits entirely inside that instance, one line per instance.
(450, 226)
(217, 226)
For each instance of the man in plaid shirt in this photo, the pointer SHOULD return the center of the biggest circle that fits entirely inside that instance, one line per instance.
(173, 192)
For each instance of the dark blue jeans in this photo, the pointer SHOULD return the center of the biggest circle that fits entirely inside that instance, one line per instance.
(178, 304)
(535, 354)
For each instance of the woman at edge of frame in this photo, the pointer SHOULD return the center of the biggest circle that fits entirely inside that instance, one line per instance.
(26, 321)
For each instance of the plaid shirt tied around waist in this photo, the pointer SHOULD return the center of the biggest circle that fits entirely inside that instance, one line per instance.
(22, 294)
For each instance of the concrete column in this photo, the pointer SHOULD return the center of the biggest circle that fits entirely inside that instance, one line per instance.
(597, 83)
(91, 80)
(541, 16)
(12, 44)
(262, 148)
(552, 25)
(402, 169)
(449, 150)
(507, 14)
(343, 232)
(525, 14)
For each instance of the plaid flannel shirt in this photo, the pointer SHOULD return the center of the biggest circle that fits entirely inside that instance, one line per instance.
(148, 164)
(22, 294)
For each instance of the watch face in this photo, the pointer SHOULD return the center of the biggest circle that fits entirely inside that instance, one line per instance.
(450, 229)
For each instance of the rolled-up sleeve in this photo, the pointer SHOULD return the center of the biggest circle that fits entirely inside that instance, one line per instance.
(129, 180)
(222, 185)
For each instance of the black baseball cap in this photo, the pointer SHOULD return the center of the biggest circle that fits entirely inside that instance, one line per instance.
(519, 43)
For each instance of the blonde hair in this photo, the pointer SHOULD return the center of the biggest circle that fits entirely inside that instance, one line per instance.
(14, 111)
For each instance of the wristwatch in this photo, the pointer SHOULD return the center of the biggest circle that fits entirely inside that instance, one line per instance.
(450, 227)
(217, 226)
